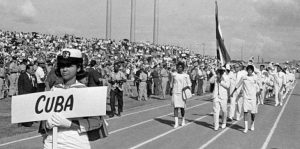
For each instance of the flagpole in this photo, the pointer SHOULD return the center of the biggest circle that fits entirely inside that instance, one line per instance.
(218, 64)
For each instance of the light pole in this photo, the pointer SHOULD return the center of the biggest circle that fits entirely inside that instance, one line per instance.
(108, 19)
(156, 22)
(242, 52)
(132, 21)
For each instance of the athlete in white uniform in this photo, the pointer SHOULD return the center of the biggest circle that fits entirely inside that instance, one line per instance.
(220, 98)
(232, 79)
(270, 81)
(250, 89)
(279, 85)
(290, 78)
(262, 77)
(239, 93)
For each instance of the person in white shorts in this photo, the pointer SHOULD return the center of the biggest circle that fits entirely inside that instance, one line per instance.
(250, 89)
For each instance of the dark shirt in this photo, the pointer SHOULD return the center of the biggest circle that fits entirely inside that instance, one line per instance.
(155, 74)
(93, 77)
(137, 75)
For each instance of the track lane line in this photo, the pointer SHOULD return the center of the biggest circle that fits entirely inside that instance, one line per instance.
(36, 136)
(218, 135)
(166, 133)
(268, 139)
(152, 108)
(20, 140)
(226, 129)
(137, 124)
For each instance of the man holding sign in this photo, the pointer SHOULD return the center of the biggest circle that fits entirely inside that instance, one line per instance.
(74, 131)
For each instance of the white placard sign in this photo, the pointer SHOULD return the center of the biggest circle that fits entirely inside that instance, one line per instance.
(73, 102)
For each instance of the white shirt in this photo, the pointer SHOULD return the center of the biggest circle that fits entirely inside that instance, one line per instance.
(239, 76)
(200, 73)
(180, 81)
(39, 73)
(232, 80)
(68, 138)
(290, 77)
(221, 89)
(249, 86)
(281, 79)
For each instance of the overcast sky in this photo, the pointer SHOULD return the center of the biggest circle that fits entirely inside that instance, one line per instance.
(268, 28)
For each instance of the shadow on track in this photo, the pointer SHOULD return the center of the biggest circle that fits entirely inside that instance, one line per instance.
(269, 101)
(205, 124)
(203, 114)
(237, 127)
(165, 121)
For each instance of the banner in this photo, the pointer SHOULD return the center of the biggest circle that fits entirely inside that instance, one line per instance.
(73, 102)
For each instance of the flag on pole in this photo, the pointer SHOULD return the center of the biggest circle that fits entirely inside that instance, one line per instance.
(222, 54)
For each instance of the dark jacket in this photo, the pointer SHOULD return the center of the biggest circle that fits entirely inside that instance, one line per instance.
(25, 84)
(93, 78)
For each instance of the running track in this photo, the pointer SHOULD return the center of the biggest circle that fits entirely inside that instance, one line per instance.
(150, 127)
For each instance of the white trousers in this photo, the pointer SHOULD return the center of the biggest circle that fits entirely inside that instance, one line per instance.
(240, 102)
(219, 105)
(278, 94)
(232, 106)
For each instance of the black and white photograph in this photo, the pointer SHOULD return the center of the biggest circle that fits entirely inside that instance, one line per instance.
(149, 74)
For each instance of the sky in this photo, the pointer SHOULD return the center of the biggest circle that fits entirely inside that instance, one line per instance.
(269, 29)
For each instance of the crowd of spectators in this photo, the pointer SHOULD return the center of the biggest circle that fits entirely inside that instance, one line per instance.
(42, 49)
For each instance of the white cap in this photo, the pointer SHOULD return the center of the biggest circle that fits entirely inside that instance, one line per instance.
(72, 53)
(69, 56)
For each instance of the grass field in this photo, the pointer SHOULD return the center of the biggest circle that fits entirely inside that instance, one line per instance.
(7, 129)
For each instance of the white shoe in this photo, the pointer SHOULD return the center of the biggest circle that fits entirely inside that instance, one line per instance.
(280, 104)
(276, 104)
(176, 126)
(176, 122)
(183, 122)
(252, 127)
(216, 128)
(223, 126)
(246, 127)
